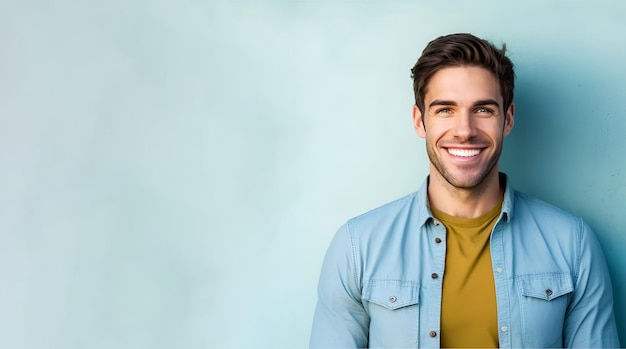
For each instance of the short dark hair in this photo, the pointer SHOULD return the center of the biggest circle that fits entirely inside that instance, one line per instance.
(459, 50)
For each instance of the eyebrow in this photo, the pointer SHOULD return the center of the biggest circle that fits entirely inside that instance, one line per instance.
(439, 102)
(486, 102)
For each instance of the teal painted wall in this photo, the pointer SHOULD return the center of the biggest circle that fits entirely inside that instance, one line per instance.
(171, 173)
(568, 143)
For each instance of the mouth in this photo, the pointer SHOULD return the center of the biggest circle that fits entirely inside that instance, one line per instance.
(464, 152)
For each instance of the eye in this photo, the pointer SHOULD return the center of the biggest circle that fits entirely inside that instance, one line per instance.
(483, 110)
(443, 111)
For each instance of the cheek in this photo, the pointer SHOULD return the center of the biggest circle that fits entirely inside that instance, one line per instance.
(493, 130)
(437, 128)
(439, 132)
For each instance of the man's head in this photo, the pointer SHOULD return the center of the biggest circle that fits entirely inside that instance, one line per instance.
(462, 50)
(464, 109)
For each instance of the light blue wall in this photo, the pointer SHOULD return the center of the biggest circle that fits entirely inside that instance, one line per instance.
(171, 173)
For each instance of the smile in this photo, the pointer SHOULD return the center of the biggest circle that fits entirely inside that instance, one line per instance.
(464, 152)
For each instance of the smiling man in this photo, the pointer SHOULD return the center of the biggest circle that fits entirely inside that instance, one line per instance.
(466, 261)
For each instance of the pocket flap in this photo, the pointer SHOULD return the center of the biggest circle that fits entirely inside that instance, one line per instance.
(391, 294)
(546, 286)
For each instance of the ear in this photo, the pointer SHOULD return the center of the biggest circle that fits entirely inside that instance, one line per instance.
(509, 119)
(418, 122)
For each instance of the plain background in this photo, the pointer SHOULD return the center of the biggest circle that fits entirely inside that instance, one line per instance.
(173, 171)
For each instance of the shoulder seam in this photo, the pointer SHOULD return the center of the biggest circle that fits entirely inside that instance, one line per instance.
(579, 247)
(357, 278)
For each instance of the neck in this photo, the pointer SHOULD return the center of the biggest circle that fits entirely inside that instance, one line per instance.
(465, 202)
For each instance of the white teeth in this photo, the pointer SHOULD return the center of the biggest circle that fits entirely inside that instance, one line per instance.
(463, 152)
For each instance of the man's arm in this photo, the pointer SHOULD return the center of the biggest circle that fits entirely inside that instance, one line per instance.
(340, 319)
(589, 321)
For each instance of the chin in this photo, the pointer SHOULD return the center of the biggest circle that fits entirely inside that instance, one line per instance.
(466, 183)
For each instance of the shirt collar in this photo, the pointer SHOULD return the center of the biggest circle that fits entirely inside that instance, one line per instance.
(424, 213)
(509, 197)
(423, 207)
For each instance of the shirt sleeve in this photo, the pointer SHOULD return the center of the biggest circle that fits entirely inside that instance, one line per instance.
(590, 322)
(340, 321)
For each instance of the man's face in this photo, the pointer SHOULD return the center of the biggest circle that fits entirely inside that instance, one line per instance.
(464, 125)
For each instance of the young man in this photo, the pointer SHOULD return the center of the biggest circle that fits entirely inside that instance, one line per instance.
(466, 261)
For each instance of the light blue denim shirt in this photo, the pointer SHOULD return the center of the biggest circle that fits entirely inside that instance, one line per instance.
(378, 287)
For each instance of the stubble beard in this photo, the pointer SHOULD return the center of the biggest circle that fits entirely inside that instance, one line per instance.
(473, 184)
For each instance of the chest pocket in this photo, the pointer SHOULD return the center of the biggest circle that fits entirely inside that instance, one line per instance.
(393, 307)
(543, 300)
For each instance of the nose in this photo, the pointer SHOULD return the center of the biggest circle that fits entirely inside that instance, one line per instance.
(464, 127)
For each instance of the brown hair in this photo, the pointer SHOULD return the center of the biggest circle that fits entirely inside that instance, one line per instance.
(458, 50)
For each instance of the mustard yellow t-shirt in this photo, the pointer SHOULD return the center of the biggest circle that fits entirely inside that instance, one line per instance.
(469, 317)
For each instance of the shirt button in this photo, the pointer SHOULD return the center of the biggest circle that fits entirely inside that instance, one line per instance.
(393, 299)
(438, 240)
(499, 270)
(437, 222)
(433, 334)
(504, 328)
(549, 292)
(434, 276)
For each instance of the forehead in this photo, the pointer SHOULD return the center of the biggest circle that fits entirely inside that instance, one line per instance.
(463, 84)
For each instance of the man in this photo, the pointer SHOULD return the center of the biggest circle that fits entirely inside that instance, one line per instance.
(466, 261)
